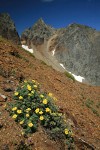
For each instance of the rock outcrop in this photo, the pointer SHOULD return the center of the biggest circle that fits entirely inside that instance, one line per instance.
(38, 33)
(77, 47)
(8, 29)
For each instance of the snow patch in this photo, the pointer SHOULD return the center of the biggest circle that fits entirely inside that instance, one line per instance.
(78, 78)
(62, 66)
(53, 52)
(26, 48)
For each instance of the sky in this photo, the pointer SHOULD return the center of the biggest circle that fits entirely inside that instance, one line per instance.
(57, 13)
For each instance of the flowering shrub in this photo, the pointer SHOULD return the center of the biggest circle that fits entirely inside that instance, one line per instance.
(31, 107)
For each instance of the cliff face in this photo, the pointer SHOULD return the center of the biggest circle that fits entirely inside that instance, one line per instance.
(8, 29)
(77, 47)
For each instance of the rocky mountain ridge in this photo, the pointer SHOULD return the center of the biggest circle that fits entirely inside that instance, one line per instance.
(8, 29)
(77, 47)
(37, 33)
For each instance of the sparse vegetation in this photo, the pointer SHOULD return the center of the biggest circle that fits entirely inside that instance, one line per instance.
(31, 54)
(95, 111)
(16, 54)
(69, 75)
(98, 105)
(23, 146)
(43, 63)
(31, 108)
(5, 73)
(90, 104)
(3, 39)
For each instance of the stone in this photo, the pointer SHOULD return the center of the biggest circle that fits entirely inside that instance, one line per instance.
(3, 98)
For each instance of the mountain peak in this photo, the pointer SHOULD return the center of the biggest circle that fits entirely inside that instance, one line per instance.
(8, 29)
(40, 20)
(77, 25)
(40, 30)
(4, 14)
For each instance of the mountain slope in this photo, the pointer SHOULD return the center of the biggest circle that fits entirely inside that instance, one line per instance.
(78, 102)
(76, 47)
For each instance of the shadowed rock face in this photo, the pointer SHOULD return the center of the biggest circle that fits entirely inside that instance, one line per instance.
(7, 28)
(77, 47)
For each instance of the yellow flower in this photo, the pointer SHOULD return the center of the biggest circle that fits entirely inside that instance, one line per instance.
(19, 111)
(35, 86)
(15, 108)
(28, 109)
(71, 133)
(21, 122)
(48, 109)
(41, 112)
(14, 116)
(45, 101)
(41, 118)
(59, 114)
(33, 81)
(65, 120)
(41, 96)
(37, 110)
(22, 133)
(32, 92)
(29, 87)
(16, 93)
(20, 97)
(29, 94)
(25, 81)
(27, 115)
(50, 94)
(30, 124)
(66, 131)
(55, 99)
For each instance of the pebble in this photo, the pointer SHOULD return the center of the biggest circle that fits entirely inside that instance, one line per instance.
(3, 98)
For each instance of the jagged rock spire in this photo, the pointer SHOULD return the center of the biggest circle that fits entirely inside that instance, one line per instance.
(8, 29)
